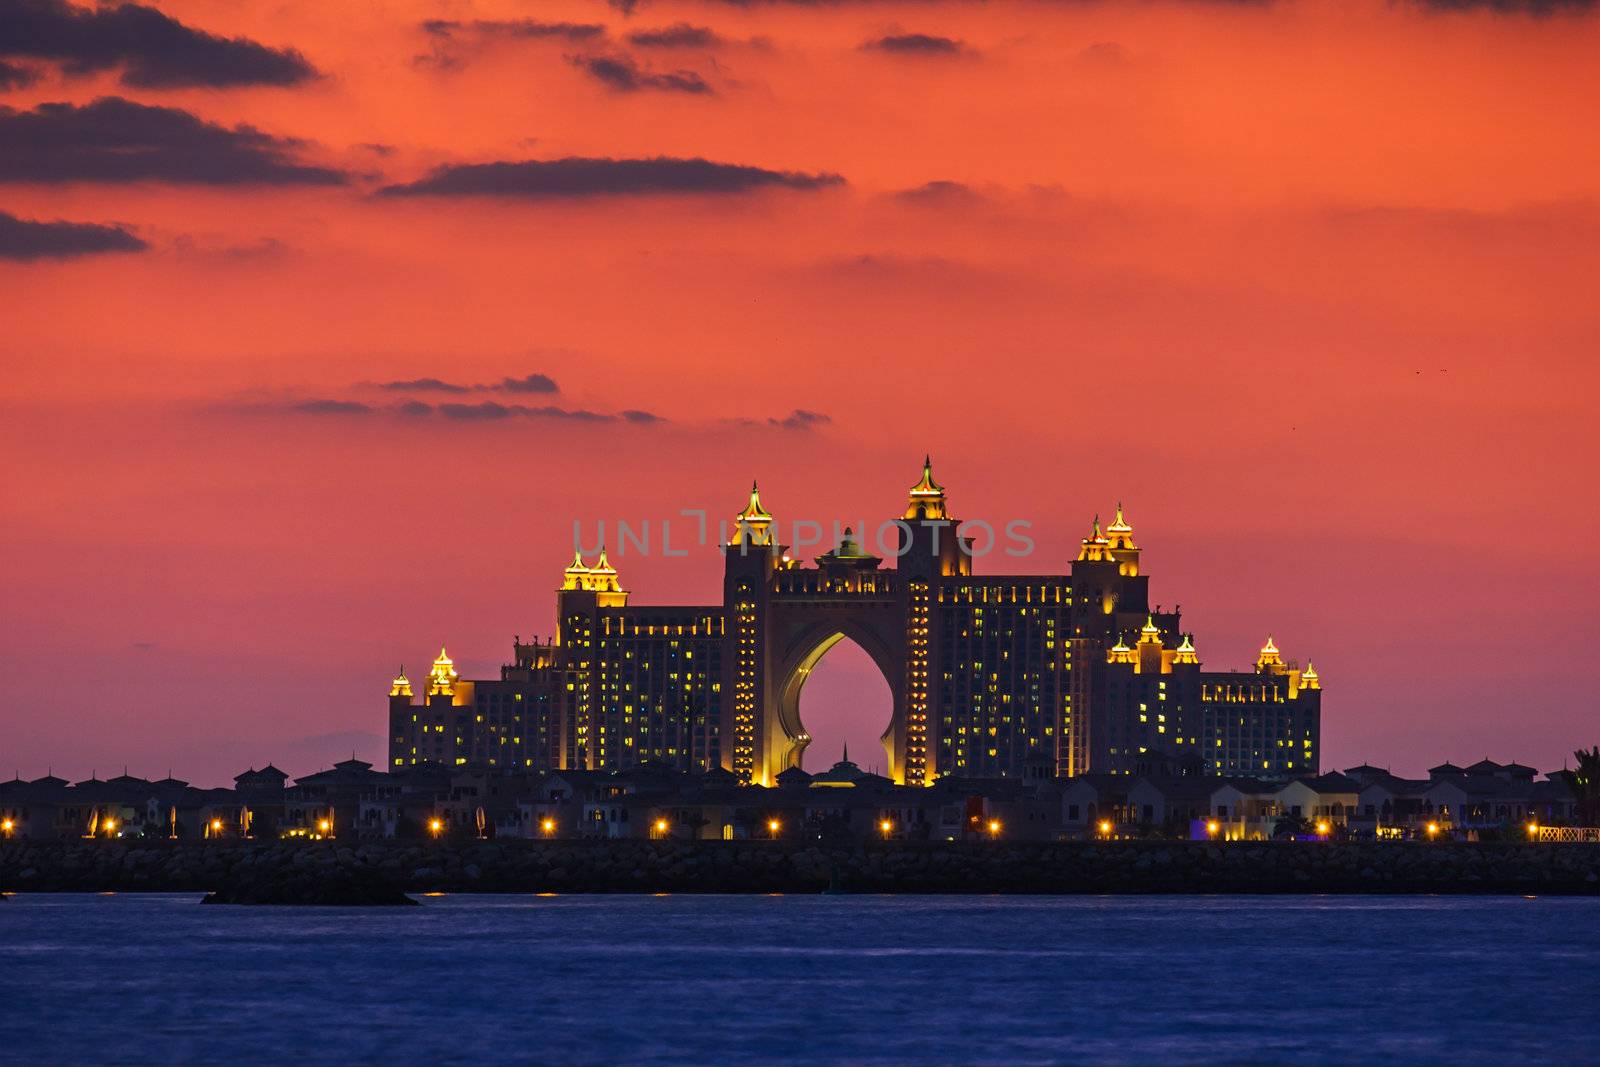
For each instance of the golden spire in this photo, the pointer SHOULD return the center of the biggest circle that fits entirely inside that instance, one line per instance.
(1095, 546)
(576, 573)
(1149, 631)
(603, 582)
(1270, 656)
(927, 496)
(442, 679)
(1309, 678)
(1120, 532)
(754, 519)
(1185, 652)
(401, 686)
(927, 486)
(753, 511)
(1121, 653)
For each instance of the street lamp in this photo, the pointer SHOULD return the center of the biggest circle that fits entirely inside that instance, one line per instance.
(436, 826)
(1533, 829)
(887, 827)
(548, 826)
(1323, 828)
(216, 827)
(994, 827)
(1433, 829)
(773, 826)
(6, 826)
(1213, 828)
(661, 828)
(1105, 827)
(111, 826)
(325, 826)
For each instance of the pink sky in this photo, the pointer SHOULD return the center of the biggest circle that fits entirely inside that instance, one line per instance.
(1308, 286)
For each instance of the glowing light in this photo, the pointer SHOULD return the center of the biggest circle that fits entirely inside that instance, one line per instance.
(1213, 828)
(1433, 829)
(661, 826)
(1309, 678)
(442, 678)
(1105, 827)
(325, 825)
(1323, 828)
(1533, 829)
(994, 827)
(773, 826)
(886, 826)
(437, 826)
(548, 826)
(6, 826)
(110, 825)
(927, 496)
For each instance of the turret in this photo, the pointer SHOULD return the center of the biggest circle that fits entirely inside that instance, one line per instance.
(1271, 660)
(1185, 653)
(576, 576)
(754, 523)
(1120, 546)
(1309, 678)
(1096, 547)
(442, 678)
(927, 496)
(401, 686)
(603, 580)
(933, 546)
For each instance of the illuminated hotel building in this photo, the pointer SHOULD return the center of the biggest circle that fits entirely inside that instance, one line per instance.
(989, 674)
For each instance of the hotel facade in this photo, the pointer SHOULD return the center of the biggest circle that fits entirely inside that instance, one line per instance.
(1001, 676)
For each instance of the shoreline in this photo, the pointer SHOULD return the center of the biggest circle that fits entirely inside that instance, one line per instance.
(287, 871)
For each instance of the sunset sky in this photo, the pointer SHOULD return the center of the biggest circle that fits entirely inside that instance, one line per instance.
(322, 323)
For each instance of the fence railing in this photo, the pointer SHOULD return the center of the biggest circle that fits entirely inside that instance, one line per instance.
(1569, 835)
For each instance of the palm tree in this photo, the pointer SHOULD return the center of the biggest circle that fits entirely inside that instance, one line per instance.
(1585, 782)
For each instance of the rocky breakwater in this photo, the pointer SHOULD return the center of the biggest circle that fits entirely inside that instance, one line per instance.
(367, 872)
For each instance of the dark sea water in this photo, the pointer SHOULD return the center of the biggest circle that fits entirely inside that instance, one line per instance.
(158, 979)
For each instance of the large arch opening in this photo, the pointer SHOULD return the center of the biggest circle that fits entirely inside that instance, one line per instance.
(844, 701)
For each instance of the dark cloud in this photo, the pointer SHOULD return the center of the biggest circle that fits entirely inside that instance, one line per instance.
(16, 76)
(531, 383)
(678, 35)
(493, 411)
(154, 50)
(915, 44)
(1537, 8)
(330, 407)
(624, 75)
(25, 239)
(578, 176)
(528, 383)
(424, 385)
(801, 419)
(526, 29)
(939, 192)
(117, 140)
